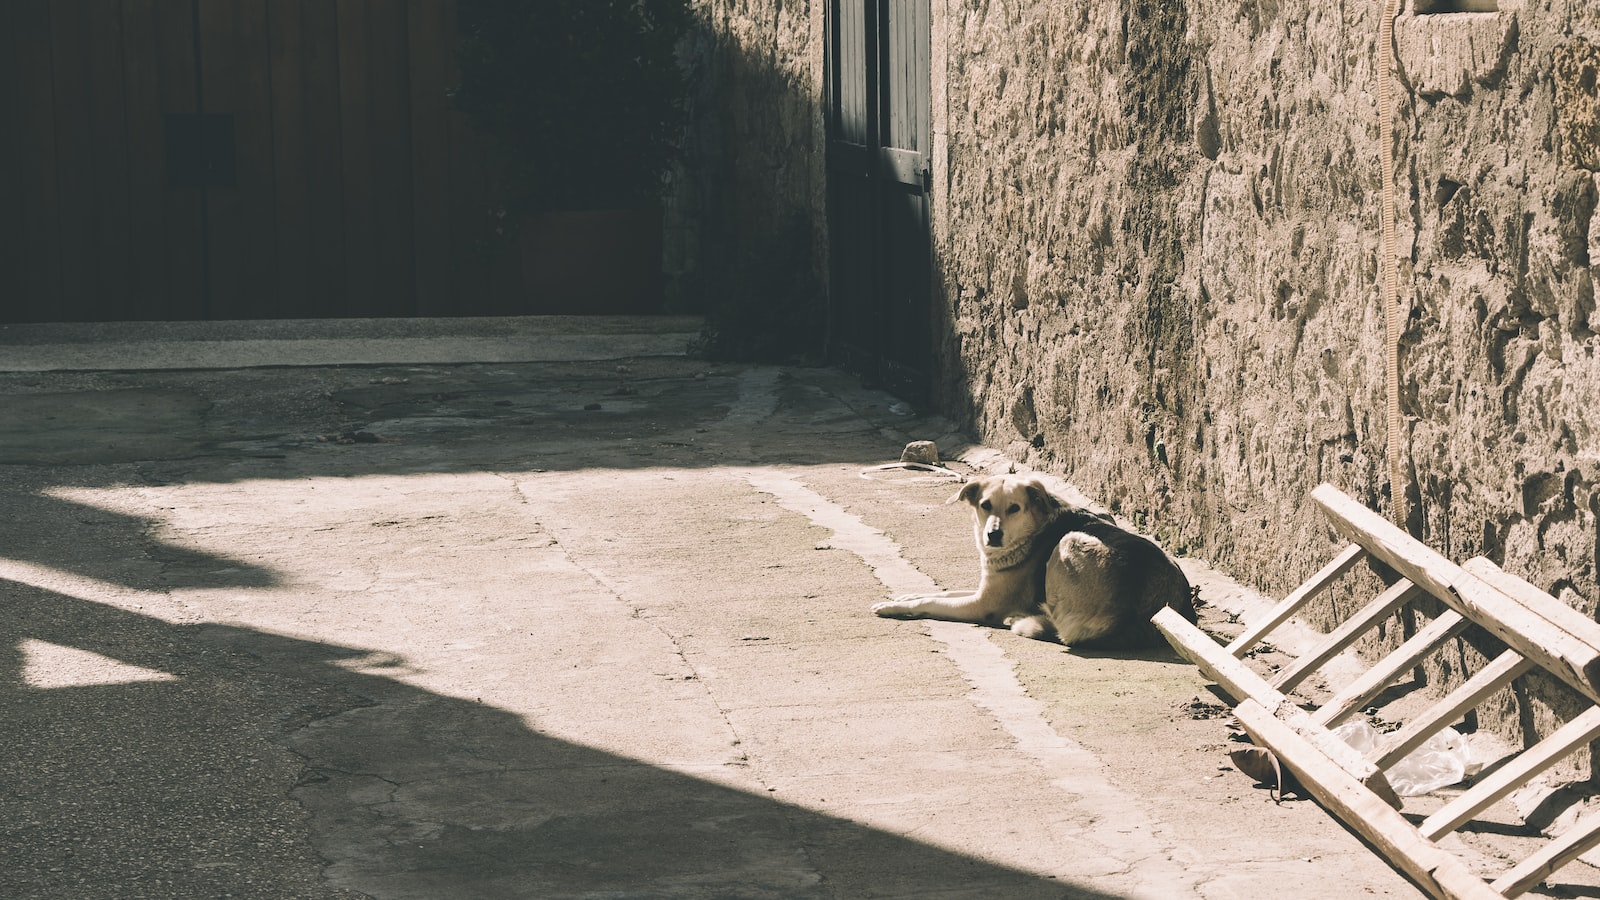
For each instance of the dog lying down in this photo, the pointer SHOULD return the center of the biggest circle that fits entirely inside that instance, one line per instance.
(1054, 570)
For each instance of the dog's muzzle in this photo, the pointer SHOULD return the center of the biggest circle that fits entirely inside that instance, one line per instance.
(995, 536)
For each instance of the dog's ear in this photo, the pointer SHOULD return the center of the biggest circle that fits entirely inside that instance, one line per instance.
(1041, 496)
(968, 493)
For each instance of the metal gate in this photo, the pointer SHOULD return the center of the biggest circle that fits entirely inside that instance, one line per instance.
(221, 159)
(879, 179)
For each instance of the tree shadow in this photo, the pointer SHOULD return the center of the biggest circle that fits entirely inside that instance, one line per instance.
(202, 783)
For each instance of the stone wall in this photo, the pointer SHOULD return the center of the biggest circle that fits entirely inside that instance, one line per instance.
(745, 214)
(1158, 240)
(1157, 235)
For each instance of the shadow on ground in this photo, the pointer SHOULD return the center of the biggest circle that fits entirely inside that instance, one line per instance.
(199, 785)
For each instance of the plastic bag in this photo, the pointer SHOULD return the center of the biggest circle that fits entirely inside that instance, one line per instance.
(1439, 762)
(1359, 734)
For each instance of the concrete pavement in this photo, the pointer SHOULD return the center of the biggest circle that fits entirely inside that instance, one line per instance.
(575, 622)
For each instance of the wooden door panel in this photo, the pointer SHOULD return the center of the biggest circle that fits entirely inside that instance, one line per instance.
(164, 224)
(355, 106)
(33, 275)
(75, 156)
(432, 72)
(907, 300)
(235, 81)
(12, 218)
(855, 39)
(905, 74)
(390, 159)
(290, 39)
(110, 231)
(878, 213)
(906, 134)
(852, 211)
(323, 153)
(851, 228)
(351, 189)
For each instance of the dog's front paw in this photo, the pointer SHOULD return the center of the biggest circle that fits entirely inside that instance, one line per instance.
(895, 609)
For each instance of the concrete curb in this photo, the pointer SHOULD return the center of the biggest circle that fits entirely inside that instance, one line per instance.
(149, 346)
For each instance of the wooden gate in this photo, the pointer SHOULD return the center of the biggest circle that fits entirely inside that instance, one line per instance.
(879, 178)
(222, 159)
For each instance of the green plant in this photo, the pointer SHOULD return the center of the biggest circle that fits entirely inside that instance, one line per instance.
(585, 98)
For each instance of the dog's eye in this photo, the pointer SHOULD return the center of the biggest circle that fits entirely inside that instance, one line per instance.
(1012, 509)
(986, 506)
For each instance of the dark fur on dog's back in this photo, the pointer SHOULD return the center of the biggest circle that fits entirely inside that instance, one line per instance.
(1136, 562)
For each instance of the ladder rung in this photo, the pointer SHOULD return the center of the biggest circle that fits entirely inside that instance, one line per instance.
(1399, 595)
(1360, 691)
(1301, 595)
(1507, 667)
(1514, 774)
(1576, 841)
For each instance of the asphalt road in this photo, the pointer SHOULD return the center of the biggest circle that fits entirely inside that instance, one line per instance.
(595, 626)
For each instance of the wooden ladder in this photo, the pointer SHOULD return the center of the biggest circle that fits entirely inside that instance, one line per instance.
(1538, 630)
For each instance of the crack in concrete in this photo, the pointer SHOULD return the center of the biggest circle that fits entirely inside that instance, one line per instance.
(747, 412)
(640, 614)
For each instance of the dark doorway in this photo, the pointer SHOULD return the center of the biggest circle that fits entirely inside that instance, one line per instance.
(880, 137)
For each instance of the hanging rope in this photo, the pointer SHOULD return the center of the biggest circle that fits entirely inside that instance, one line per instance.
(1393, 320)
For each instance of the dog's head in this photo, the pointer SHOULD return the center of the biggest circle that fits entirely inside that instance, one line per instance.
(1007, 510)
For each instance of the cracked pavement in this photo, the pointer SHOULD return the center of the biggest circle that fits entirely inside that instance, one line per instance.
(585, 628)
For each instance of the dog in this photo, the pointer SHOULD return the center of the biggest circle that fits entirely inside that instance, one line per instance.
(1054, 570)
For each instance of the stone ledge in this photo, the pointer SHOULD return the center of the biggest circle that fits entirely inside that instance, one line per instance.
(1445, 54)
